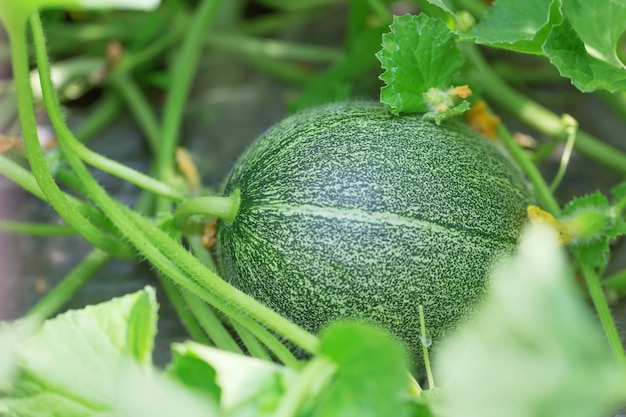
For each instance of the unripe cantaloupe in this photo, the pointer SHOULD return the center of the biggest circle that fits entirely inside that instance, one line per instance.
(349, 212)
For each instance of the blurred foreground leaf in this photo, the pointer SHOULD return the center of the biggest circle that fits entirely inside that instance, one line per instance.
(97, 362)
(534, 349)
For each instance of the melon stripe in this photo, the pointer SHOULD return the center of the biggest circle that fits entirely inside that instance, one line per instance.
(363, 216)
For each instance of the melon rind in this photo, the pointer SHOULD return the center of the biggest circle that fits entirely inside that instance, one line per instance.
(349, 212)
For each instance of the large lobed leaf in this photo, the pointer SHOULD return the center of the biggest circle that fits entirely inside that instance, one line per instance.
(419, 53)
(579, 37)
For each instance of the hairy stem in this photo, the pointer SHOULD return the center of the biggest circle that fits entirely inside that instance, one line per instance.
(89, 156)
(36, 159)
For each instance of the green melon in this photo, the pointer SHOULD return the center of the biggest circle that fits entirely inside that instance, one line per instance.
(349, 212)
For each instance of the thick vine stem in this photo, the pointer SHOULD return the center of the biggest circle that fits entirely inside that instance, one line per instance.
(36, 159)
(168, 255)
(225, 208)
(86, 154)
(536, 115)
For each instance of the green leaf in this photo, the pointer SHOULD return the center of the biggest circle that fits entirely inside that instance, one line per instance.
(74, 359)
(568, 53)
(248, 386)
(600, 25)
(141, 328)
(443, 6)
(194, 373)
(417, 54)
(11, 334)
(520, 26)
(371, 377)
(619, 191)
(534, 348)
(144, 392)
(592, 201)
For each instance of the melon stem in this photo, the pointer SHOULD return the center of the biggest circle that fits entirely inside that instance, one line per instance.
(225, 208)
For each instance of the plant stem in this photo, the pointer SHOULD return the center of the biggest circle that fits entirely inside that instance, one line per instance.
(181, 266)
(89, 156)
(27, 181)
(425, 345)
(64, 290)
(536, 115)
(271, 48)
(541, 188)
(212, 325)
(185, 315)
(225, 208)
(36, 229)
(158, 247)
(211, 288)
(604, 314)
(252, 344)
(182, 73)
(36, 159)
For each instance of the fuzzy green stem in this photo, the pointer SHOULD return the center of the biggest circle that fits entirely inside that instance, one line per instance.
(64, 290)
(36, 159)
(252, 344)
(25, 179)
(186, 317)
(36, 229)
(76, 147)
(251, 332)
(536, 115)
(604, 313)
(225, 208)
(169, 256)
(212, 325)
(541, 188)
(232, 302)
